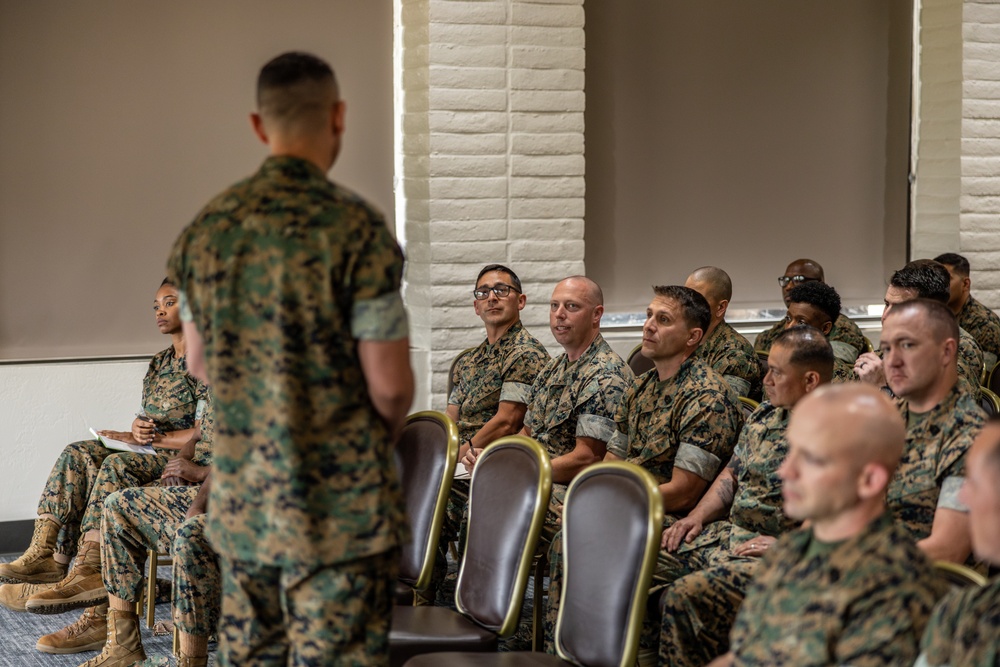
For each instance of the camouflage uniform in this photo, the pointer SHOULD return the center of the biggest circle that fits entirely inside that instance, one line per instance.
(690, 421)
(845, 337)
(704, 575)
(197, 588)
(964, 629)
(283, 274)
(983, 325)
(731, 356)
(86, 472)
(970, 359)
(571, 399)
(843, 371)
(932, 469)
(862, 601)
(482, 378)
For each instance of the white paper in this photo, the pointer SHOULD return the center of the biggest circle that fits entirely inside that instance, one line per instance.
(123, 446)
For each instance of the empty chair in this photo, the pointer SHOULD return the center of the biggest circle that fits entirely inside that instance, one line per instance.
(508, 497)
(989, 401)
(426, 454)
(611, 534)
(637, 362)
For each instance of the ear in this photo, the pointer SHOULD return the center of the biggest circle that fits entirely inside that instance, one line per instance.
(949, 350)
(810, 380)
(720, 311)
(521, 300)
(695, 336)
(966, 284)
(873, 480)
(598, 313)
(337, 117)
(257, 123)
(826, 328)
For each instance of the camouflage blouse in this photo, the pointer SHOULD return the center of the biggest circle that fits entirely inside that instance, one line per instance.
(964, 629)
(731, 356)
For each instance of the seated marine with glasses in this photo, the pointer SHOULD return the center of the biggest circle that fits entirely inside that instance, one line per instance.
(845, 336)
(490, 387)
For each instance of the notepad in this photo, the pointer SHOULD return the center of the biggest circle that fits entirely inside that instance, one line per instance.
(461, 472)
(122, 446)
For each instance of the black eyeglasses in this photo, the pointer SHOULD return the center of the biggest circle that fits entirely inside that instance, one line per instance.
(500, 290)
(798, 280)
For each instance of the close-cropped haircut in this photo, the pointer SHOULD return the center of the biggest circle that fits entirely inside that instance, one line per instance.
(489, 268)
(928, 278)
(295, 86)
(809, 348)
(941, 320)
(958, 263)
(819, 295)
(694, 307)
(719, 284)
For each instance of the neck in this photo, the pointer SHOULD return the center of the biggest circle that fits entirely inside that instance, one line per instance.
(668, 368)
(849, 523)
(712, 326)
(495, 331)
(177, 340)
(925, 401)
(958, 307)
(317, 153)
(577, 352)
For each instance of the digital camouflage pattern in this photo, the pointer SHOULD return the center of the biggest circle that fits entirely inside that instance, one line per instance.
(577, 398)
(845, 338)
(863, 601)
(571, 399)
(970, 359)
(334, 615)
(503, 371)
(984, 326)
(731, 356)
(697, 612)
(964, 629)
(843, 372)
(488, 374)
(932, 469)
(171, 397)
(135, 521)
(282, 274)
(691, 420)
(197, 585)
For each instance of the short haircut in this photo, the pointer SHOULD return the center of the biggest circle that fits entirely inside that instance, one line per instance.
(928, 278)
(958, 263)
(819, 295)
(295, 87)
(719, 284)
(515, 281)
(594, 290)
(810, 349)
(811, 263)
(941, 320)
(694, 307)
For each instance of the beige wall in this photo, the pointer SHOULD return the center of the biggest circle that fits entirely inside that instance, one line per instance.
(745, 135)
(119, 119)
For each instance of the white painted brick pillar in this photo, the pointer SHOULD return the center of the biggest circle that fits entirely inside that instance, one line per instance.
(490, 163)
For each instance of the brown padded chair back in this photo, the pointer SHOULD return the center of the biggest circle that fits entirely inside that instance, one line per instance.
(637, 362)
(508, 497)
(425, 459)
(749, 406)
(611, 534)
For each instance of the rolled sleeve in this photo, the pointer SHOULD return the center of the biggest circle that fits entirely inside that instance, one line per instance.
(618, 444)
(515, 392)
(948, 498)
(382, 318)
(697, 461)
(596, 427)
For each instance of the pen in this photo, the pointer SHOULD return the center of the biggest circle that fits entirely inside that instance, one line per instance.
(145, 417)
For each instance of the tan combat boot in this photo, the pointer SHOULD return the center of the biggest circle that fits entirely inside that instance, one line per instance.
(36, 565)
(82, 587)
(15, 596)
(88, 634)
(124, 645)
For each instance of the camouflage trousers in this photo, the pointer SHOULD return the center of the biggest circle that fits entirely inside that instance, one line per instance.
(698, 611)
(307, 615)
(197, 586)
(82, 477)
(136, 520)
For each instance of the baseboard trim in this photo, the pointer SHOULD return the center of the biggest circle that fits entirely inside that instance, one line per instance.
(15, 535)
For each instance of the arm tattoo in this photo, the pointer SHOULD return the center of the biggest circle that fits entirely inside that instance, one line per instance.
(725, 491)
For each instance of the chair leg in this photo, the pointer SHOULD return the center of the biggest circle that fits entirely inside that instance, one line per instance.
(151, 562)
(537, 613)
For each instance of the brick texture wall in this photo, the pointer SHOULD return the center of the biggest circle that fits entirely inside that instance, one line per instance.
(492, 163)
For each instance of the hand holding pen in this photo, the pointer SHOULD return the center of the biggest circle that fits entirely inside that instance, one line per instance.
(145, 429)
